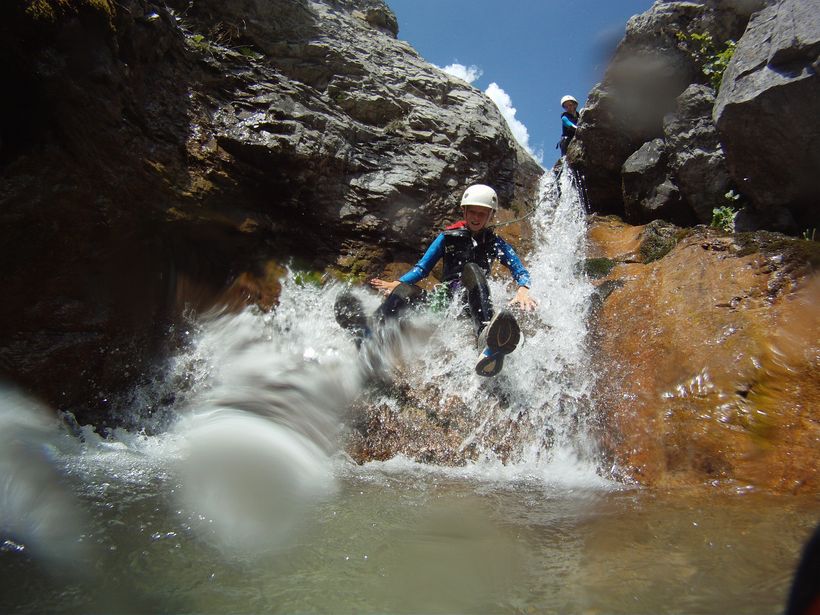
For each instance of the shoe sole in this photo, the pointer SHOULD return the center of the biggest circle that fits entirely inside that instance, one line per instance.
(349, 311)
(490, 365)
(503, 332)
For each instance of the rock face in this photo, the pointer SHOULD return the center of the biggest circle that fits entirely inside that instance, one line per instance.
(766, 113)
(681, 177)
(641, 84)
(156, 156)
(758, 136)
(648, 192)
(697, 165)
(709, 359)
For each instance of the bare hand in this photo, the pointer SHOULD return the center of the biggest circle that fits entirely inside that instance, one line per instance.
(383, 286)
(522, 298)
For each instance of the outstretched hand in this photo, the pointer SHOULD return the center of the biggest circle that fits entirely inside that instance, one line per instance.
(383, 286)
(523, 300)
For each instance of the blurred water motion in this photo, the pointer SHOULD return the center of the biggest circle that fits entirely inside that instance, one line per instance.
(37, 509)
(259, 440)
(252, 481)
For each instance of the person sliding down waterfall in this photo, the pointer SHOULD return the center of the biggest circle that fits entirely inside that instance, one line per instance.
(469, 249)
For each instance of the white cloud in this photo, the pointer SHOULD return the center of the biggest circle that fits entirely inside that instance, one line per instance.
(466, 73)
(503, 101)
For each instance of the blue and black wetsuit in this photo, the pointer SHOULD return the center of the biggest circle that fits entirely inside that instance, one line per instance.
(569, 124)
(468, 260)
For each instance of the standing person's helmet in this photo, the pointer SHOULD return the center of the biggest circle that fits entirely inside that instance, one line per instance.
(480, 195)
(567, 99)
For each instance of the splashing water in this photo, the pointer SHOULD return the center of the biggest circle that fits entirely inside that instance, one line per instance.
(262, 397)
(36, 507)
(247, 504)
(540, 403)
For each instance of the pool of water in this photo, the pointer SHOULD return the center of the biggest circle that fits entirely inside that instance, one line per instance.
(405, 538)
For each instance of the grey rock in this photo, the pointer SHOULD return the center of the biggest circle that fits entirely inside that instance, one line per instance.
(696, 157)
(647, 190)
(370, 125)
(164, 154)
(638, 101)
(625, 110)
(766, 111)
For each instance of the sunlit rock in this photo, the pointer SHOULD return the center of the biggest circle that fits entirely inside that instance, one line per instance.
(709, 360)
(766, 112)
(158, 158)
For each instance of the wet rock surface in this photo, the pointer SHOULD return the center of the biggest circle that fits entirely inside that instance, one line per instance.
(158, 158)
(711, 359)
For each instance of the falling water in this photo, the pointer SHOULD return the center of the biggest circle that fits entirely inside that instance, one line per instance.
(546, 384)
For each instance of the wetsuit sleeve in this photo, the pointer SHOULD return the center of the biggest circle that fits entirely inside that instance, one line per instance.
(423, 268)
(510, 260)
(567, 122)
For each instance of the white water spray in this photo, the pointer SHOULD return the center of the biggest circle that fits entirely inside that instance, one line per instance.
(260, 437)
(263, 398)
(38, 512)
(537, 407)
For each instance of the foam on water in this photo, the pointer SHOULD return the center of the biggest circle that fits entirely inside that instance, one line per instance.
(37, 510)
(262, 400)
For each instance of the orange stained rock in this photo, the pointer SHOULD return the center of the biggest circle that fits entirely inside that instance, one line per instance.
(612, 238)
(716, 367)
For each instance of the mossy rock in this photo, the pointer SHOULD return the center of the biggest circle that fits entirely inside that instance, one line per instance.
(657, 240)
(597, 268)
(50, 11)
(793, 250)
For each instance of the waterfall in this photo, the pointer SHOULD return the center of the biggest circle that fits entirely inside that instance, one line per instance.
(262, 397)
(541, 402)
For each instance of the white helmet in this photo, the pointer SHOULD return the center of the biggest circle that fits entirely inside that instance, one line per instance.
(567, 99)
(480, 195)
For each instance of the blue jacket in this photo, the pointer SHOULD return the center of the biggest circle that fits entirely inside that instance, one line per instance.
(569, 124)
(487, 247)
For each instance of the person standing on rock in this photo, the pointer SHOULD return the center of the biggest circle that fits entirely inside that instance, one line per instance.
(569, 122)
(468, 249)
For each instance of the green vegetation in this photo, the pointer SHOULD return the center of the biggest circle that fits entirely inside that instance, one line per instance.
(200, 43)
(596, 268)
(709, 56)
(733, 197)
(304, 278)
(724, 218)
(809, 234)
(53, 10)
(222, 37)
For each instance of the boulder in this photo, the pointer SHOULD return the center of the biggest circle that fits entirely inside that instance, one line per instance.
(766, 113)
(696, 158)
(161, 158)
(648, 192)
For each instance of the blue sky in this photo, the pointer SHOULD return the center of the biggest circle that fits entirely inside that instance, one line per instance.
(534, 51)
